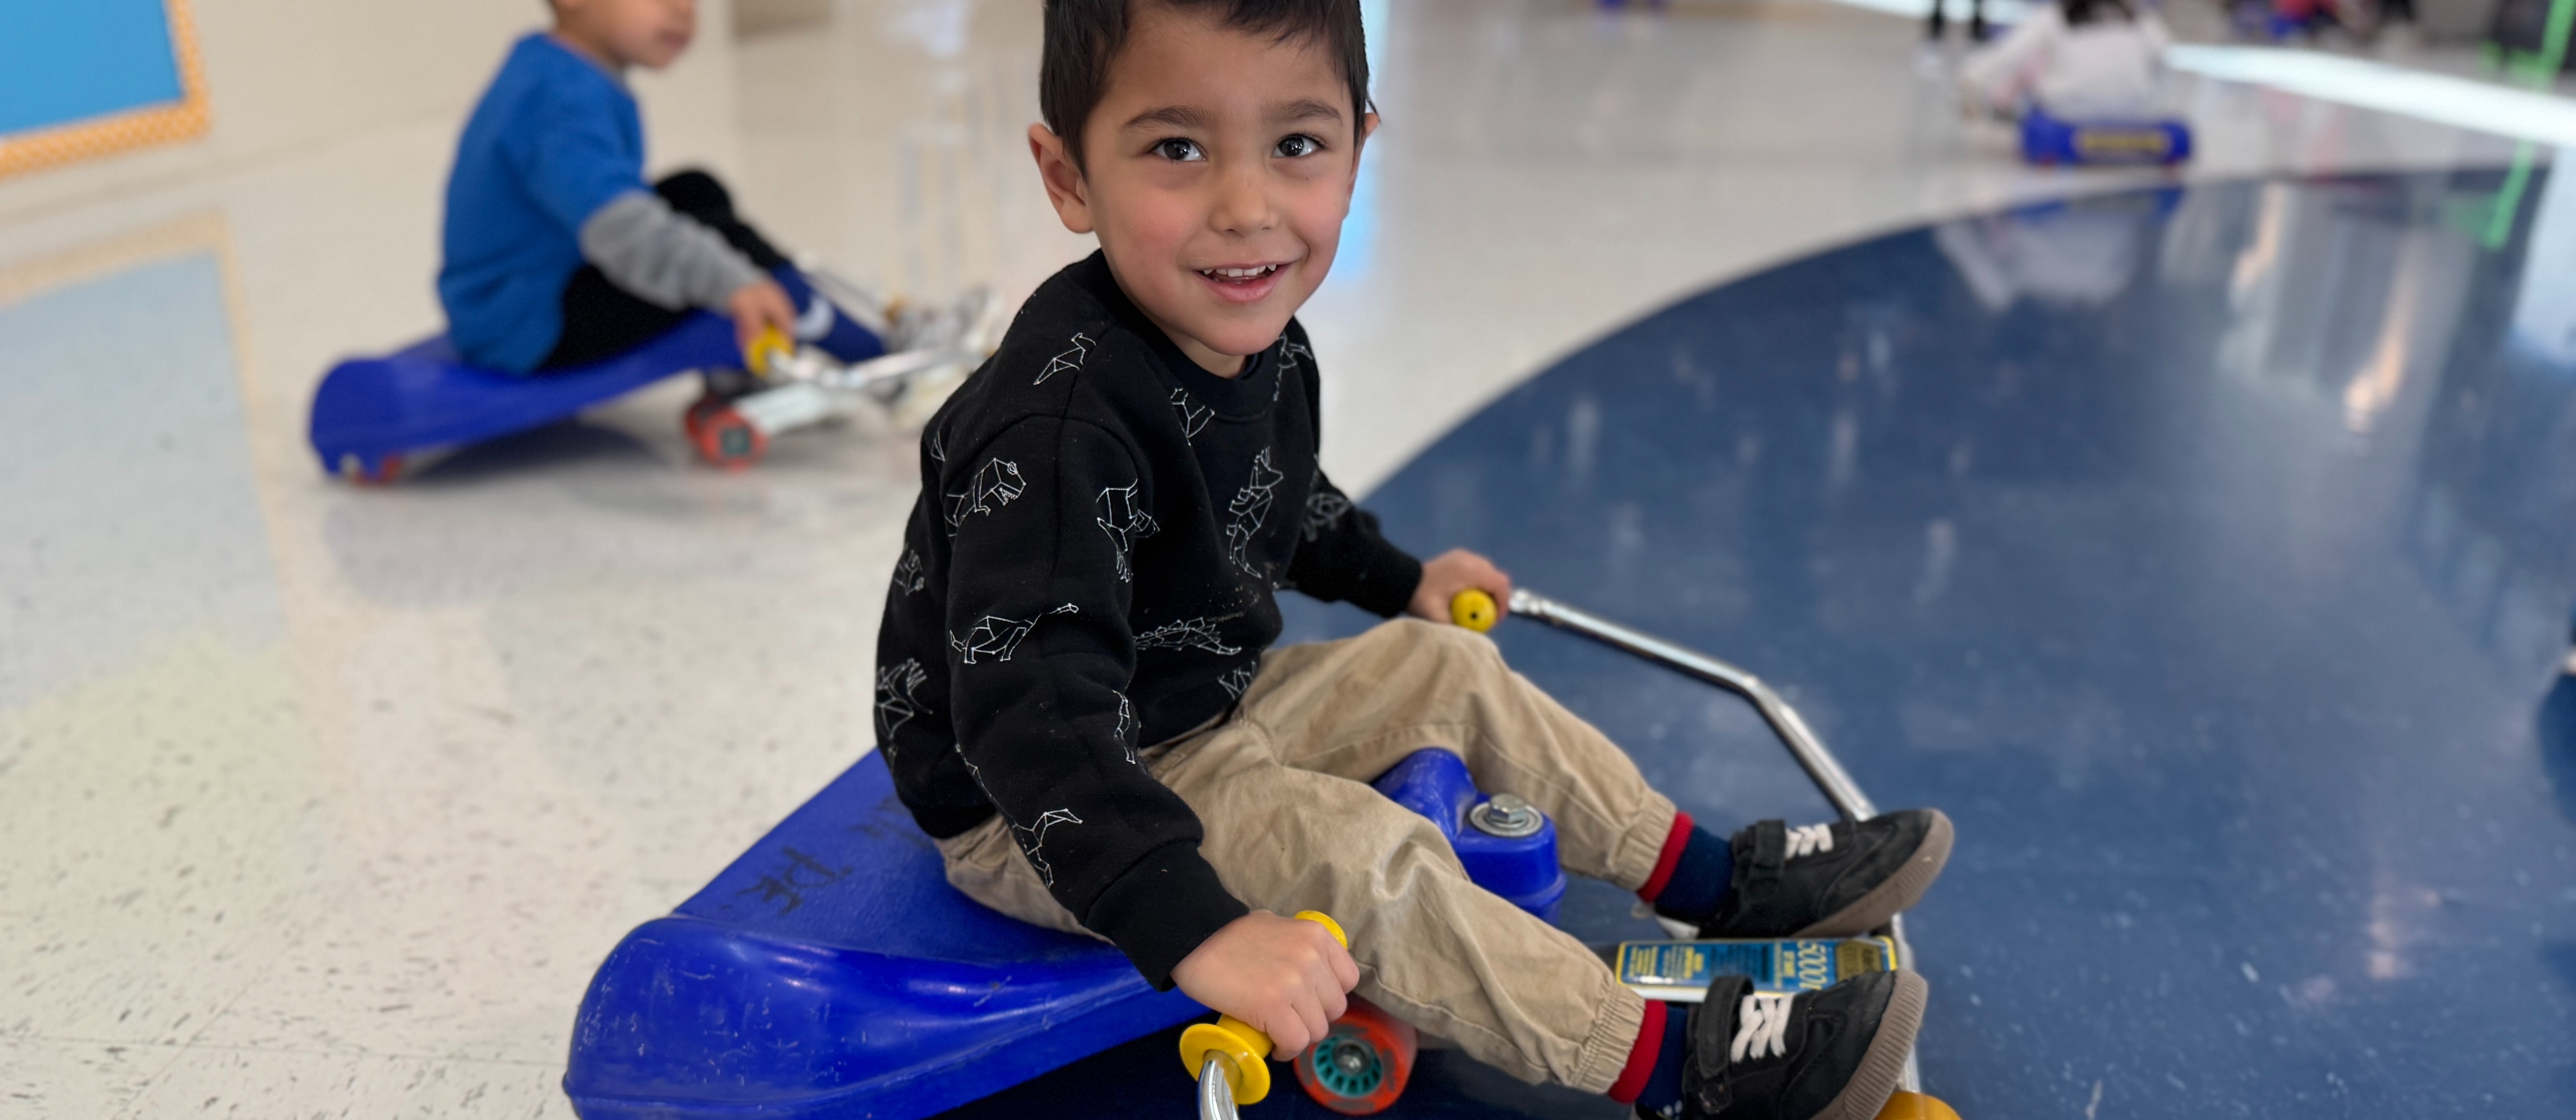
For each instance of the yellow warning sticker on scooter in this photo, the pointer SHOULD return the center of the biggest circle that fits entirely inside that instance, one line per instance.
(1680, 971)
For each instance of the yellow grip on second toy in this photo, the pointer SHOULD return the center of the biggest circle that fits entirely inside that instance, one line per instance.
(766, 349)
(1238, 1045)
(1474, 609)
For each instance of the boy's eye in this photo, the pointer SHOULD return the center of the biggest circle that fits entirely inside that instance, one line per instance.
(1179, 151)
(1300, 144)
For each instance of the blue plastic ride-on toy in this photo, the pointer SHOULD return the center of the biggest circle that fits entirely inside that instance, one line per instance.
(372, 415)
(831, 971)
(2048, 141)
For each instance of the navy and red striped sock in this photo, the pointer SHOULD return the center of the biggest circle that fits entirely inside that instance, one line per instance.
(1652, 1077)
(1691, 875)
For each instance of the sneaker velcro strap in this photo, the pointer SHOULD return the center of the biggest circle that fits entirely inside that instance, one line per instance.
(1770, 845)
(1705, 1084)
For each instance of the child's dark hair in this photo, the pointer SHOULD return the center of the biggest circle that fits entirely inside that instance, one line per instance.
(1084, 36)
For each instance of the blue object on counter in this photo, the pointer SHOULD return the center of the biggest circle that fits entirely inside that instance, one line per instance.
(1434, 782)
(371, 412)
(2048, 140)
(832, 971)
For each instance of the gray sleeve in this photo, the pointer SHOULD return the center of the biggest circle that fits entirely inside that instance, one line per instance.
(652, 251)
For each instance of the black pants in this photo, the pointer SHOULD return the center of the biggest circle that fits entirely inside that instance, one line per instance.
(602, 320)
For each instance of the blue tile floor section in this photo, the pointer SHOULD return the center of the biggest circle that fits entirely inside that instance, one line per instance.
(2206, 553)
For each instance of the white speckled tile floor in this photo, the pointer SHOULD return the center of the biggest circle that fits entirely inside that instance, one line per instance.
(320, 801)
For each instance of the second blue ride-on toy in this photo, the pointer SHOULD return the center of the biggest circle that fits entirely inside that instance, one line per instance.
(372, 417)
(371, 414)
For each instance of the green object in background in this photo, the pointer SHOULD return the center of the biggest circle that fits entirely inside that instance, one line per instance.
(2541, 72)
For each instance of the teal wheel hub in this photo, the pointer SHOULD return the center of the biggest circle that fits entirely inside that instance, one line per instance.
(1347, 1065)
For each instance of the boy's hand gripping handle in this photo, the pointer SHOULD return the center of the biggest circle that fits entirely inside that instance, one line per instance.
(1232, 1051)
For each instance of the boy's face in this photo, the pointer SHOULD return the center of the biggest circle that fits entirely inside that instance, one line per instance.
(623, 33)
(1220, 167)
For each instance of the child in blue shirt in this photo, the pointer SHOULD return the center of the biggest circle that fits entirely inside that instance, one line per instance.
(558, 254)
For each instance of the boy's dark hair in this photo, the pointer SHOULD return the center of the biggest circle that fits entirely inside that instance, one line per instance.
(1084, 36)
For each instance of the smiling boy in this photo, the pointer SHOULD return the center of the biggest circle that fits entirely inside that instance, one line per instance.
(1075, 689)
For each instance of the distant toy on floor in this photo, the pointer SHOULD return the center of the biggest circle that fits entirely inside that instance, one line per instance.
(2048, 141)
(2086, 80)
(377, 418)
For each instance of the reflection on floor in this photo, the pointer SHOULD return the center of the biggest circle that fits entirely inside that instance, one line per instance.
(325, 799)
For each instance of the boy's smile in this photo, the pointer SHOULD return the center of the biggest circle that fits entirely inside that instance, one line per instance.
(1217, 168)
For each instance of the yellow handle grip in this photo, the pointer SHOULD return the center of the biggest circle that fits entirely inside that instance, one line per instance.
(1915, 1106)
(766, 349)
(1238, 1046)
(1474, 609)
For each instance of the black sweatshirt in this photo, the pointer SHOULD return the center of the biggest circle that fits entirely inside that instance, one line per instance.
(1091, 567)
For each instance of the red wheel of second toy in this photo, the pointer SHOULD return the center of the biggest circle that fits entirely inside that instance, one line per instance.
(380, 472)
(699, 410)
(1360, 1068)
(726, 440)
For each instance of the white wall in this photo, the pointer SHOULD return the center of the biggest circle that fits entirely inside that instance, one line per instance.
(292, 75)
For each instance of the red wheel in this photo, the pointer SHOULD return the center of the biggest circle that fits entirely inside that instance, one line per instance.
(1361, 1067)
(726, 440)
(699, 410)
(365, 472)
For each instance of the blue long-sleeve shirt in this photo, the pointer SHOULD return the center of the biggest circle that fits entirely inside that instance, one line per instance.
(554, 139)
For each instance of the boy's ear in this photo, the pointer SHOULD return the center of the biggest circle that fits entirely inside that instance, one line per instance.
(1368, 127)
(1064, 184)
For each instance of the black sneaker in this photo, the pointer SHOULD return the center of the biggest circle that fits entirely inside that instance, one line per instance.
(1838, 880)
(1831, 1055)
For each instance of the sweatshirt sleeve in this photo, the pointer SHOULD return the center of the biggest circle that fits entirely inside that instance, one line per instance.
(1343, 557)
(668, 259)
(1040, 657)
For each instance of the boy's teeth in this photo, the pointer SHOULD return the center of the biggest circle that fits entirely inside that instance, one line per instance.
(1241, 273)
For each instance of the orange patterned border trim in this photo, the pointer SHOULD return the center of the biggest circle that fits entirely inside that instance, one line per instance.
(185, 119)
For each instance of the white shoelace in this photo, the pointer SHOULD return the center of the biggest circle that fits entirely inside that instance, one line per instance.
(1809, 839)
(1761, 1023)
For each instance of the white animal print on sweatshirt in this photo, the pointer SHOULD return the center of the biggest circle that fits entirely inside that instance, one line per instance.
(1189, 633)
(1071, 359)
(997, 637)
(1125, 523)
(896, 704)
(996, 483)
(1194, 415)
(1324, 508)
(1128, 726)
(1033, 840)
(1251, 507)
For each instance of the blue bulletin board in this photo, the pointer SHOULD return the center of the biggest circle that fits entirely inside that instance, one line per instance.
(83, 78)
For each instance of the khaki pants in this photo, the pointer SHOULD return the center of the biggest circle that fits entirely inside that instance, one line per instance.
(1292, 824)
